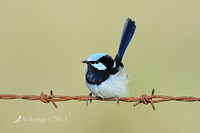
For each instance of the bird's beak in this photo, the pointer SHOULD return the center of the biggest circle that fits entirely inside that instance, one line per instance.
(85, 61)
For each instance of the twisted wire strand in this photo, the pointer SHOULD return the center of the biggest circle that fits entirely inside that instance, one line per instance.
(142, 99)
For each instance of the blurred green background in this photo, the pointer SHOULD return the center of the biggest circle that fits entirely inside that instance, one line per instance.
(43, 42)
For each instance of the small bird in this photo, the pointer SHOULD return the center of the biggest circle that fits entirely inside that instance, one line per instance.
(106, 77)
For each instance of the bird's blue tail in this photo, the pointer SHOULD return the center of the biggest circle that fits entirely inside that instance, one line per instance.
(127, 34)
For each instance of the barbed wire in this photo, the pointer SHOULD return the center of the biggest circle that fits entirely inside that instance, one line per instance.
(142, 99)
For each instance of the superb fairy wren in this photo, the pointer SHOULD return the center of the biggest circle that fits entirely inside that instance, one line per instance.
(106, 77)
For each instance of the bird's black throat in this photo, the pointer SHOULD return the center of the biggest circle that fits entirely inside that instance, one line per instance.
(95, 76)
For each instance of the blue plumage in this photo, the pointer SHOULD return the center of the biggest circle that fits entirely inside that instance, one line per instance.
(127, 34)
(106, 77)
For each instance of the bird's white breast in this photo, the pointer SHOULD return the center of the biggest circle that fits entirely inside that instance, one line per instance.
(115, 85)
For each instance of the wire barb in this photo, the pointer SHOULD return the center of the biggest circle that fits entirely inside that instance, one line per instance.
(46, 99)
(146, 100)
(142, 99)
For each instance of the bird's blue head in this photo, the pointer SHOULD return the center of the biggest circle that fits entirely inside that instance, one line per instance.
(100, 61)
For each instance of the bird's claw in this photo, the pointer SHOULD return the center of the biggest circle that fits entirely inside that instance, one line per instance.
(116, 98)
(89, 98)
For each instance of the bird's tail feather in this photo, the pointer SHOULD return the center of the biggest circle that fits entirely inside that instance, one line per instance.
(127, 34)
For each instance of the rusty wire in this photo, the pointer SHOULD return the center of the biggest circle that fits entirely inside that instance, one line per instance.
(142, 99)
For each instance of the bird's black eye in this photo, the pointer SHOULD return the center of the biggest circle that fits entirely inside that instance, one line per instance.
(94, 62)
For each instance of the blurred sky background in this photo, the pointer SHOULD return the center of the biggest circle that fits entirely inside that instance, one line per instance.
(43, 42)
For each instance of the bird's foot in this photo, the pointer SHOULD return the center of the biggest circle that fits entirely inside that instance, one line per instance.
(116, 98)
(89, 98)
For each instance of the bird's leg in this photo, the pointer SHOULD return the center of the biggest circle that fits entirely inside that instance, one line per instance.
(116, 98)
(89, 98)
